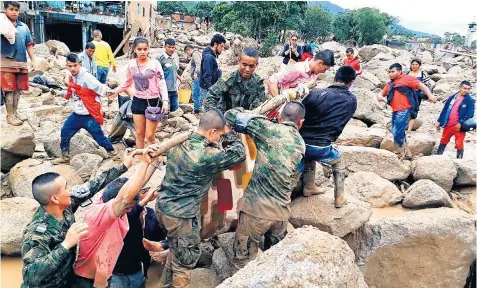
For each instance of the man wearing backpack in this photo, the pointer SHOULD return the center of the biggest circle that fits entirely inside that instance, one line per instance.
(399, 94)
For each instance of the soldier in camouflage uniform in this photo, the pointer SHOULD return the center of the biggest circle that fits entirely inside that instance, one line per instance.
(243, 88)
(49, 240)
(264, 208)
(191, 166)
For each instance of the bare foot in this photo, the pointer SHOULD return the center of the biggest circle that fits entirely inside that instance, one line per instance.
(152, 246)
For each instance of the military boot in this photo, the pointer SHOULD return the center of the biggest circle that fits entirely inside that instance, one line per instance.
(309, 186)
(460, 154)
(339, 178)
(166, 278)
(441, 148)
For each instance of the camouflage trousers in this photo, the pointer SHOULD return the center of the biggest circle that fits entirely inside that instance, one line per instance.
(184, 239)
(249, 233)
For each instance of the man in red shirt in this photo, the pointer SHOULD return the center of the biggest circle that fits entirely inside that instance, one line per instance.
(352, 61)
(458, 110)
(399, 94)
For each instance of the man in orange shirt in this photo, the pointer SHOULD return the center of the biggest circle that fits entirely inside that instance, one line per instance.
(399, 94)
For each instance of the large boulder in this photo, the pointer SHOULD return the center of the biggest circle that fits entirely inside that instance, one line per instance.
(384, 163)
(16, 214)
(203, 278)
(80, 143)
(425, 56)
(368, 52)
(466, 172)
(22, 175)
(438, 168)
(306, 257)
(455, 70)
(58, 47)
(368, 109)
(369, 187)
(426, 194)
(42, 50)
(442, 88)
(17, 144)
(464, 198)
(42, 64)
(423, 248)
(85, 163)
(418, 143)
(319, 211)
(360, 136)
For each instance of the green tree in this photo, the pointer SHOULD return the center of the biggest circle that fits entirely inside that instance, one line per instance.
(454, 38)
(371, 25)
(317, 23)
(169, 7)
(201, 9)
(344, 26)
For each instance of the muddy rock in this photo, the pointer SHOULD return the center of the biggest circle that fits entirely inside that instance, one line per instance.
(302, 259)
(42, 64)
(438, 168)
(419, 143)
(319, 211)
(42, 50)
(384, 163)
(356, 122)
(439, 243)
(84, 164)
(16, 214)
(369, 187)
(369, 52)
(203, 278)
(187, 108)
(22, 175)
(80, 143)
(464, 198)
(426, 194)
(58, 48)
(466, 172)
(360, 136)
(222, 258)
(17, 144)
(455, 70)
(368, 109)
(177, 113)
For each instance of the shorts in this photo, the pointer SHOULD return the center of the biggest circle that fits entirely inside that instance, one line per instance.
(12, 81)
(139, 105)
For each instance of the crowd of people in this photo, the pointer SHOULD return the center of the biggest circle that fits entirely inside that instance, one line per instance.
(114, 244)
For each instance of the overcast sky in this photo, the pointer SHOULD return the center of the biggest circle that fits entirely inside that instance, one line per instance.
(429, 16)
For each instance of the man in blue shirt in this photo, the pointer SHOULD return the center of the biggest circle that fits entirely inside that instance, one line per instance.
(14, 70)
(170, 64)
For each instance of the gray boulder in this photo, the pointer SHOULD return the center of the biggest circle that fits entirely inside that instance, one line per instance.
(302, 259)
(384, 163)
(80, 143)
(21, 176)
(16, 214)
(17, 144)
(426, 194)
(319, 211)
(438, 168)
(439, 243)
(85, 163)
(360, 136)
(466, 171)
(368, 109)
(419, 143)
(369, 187)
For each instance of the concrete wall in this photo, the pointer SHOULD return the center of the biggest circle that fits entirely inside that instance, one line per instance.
(141, 14)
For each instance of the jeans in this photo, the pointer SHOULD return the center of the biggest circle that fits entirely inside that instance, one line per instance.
(196, 95)
(327, 154)
(81, 282)
(399, 123)
(173, 100)
(135, 280)
(74, 123)
(102, 74)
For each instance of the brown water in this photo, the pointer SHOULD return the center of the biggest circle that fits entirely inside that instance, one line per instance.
(11, 272)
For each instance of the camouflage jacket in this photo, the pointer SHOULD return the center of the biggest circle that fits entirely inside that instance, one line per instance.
(280, 150)
(234, 93)
(191, 167)
(46, 263)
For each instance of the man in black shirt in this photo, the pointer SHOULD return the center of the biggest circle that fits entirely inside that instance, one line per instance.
(327, 113)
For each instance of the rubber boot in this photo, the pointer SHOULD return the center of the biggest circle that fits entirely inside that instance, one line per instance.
(10, 106)
(460, 154)
(441, 148)
(339, 178)
(309, 186)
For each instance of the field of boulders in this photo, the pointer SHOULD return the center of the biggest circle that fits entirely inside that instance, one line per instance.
(407, 223)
